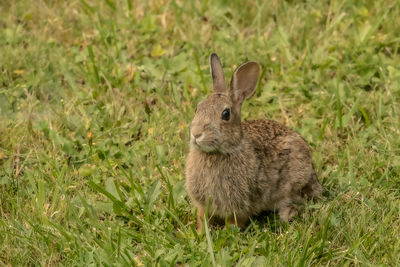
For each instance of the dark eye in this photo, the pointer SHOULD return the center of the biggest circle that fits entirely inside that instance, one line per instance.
(225, 115)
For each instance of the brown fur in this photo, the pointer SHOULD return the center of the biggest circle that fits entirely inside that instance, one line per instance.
(241, 169)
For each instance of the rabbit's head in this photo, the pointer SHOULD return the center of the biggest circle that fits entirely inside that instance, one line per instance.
(216, 126)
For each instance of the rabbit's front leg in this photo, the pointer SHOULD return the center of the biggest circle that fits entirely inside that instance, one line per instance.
(239, 221)
(200, 218)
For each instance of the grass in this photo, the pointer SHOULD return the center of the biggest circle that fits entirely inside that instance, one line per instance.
(96, 98)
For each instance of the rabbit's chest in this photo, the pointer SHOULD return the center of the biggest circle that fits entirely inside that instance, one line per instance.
(223, 186)
(224, 193)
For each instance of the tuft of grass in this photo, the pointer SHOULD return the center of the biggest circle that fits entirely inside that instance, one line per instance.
(96, 98)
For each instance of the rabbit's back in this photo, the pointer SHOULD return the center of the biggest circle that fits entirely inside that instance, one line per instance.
(265, 134)
(285, 173)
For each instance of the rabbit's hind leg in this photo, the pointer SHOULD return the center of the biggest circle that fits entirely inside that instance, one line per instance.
(313, 189)
(286, 213)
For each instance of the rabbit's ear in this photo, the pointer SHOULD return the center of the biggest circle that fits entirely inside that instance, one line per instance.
(217, 74)
(244, 81)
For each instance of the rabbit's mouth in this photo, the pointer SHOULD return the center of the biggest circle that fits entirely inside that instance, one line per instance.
(204, 148)
(203, 145)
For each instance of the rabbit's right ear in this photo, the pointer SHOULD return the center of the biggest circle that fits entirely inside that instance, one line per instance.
(217, 74)
(244, 81)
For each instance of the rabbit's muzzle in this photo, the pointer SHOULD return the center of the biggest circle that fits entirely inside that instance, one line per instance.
(201, 138)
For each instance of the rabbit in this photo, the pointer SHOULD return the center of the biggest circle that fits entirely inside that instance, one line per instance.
(237, 169)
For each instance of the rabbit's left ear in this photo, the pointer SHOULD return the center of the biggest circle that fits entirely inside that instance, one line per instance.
(244, 81)
(217, 74)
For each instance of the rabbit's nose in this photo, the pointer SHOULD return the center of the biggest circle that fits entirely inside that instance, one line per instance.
(196, 132)
(197, 135)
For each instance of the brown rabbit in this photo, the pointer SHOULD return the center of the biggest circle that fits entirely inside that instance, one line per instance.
(239, 169)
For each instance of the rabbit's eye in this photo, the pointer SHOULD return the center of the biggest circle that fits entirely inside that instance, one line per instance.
(225, 115)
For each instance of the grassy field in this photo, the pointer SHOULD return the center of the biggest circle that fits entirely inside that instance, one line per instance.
(96, 98)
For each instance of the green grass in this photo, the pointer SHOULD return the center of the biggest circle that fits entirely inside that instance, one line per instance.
(96, 98)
